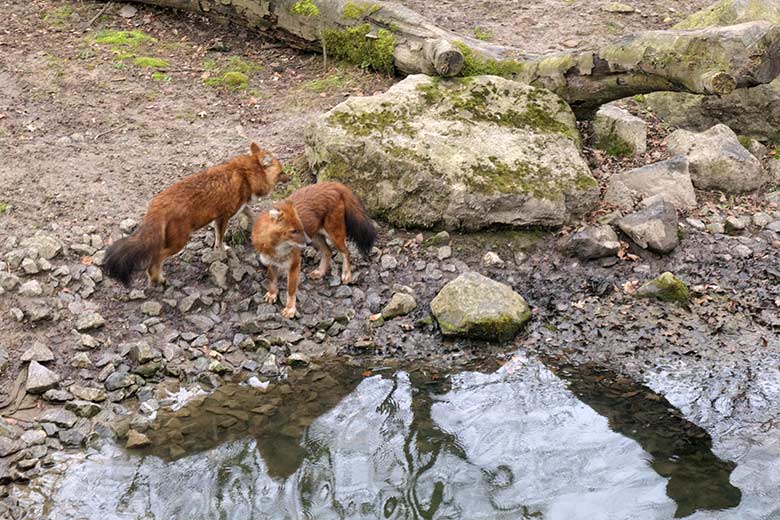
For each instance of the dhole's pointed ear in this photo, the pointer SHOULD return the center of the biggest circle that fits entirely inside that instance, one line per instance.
(254, 148)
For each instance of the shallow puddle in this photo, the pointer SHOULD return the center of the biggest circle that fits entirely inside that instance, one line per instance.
(524, 441)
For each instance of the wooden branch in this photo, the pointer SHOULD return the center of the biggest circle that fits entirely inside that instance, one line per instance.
(389, 36)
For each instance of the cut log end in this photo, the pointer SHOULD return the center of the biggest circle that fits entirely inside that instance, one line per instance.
(717, 82)
(445, 59)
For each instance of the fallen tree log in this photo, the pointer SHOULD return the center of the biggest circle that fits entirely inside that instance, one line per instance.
(389, 37)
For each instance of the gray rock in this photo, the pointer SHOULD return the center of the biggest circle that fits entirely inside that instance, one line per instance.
(593, 242)
(29, 266)
(715, 228)
(761, 219)
(494, 151)
(127, 11)
(38, 352)
(670, 179)
(151, 308)
(80, 360)
(475, 306)
(400, 304)
(46, 246)
(8, 281)
(86, 393)
(742, 251)
(774, 170)
(735, 225)
(31, 288)
(40, 378)
(59, 416)
(666, 287)
(83, 408)
(33, 437)
(89, 320)
(117, 380)
(695, 223)
(219, 272)
(717, 160)
(75, 437)
(136, 440)
(128, 225)
(141, 352)
(10, 446)
(388, 262)
(618, 132)
(444, 252)
(440, 238)
(491, 259)
(654, 227)
(57, 395)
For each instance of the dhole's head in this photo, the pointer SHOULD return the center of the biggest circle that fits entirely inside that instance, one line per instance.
(278, 230)
(266, 171)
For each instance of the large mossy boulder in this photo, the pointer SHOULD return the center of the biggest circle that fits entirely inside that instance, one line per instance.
(460, 153)
(477, 307)
(753, 112)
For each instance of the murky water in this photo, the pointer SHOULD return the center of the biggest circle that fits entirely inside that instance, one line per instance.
(525, 441)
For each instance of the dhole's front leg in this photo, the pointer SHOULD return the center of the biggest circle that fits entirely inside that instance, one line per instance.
(292, 284)
(273, 289)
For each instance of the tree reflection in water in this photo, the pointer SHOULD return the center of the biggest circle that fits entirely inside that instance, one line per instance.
(514, 443)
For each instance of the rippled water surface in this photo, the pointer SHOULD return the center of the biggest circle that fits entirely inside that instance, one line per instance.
(525, 441)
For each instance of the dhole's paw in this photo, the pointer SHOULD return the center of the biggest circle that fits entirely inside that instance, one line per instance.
(270, 297)
(288, 312)
(316, 274)
(346, 277)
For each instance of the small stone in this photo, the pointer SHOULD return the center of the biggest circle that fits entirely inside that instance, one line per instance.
(593, 242)
(137, 294)
(618, 7)
(734, 225)
(761, 220)
(715, 228)
(774, 226)
(83, 408)
(619, 132)
(38, 352)
(127, 226)
(400, 304)
(742, 251)
(89, 320)
(29, 266)
(57, 396)
(136, 440)
(388, 262)
(88, 341)
(298, 359)
(666, 287)
(31, 288)
(8, 281)
(59, 416)
(33, 437)
(141, 352)
(492, 259)
(218, 367)
(219, 272)
(654, 227)
(695, 223)
(151, 308)
(86, 393)
(40, 378)
(45, 246)
(444, 252)
(127, 11)
(80, 360)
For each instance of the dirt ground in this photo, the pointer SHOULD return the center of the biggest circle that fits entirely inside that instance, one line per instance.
(550, 25)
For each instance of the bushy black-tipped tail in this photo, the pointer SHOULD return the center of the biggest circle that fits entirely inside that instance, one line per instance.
(360, 229)
(131, 253)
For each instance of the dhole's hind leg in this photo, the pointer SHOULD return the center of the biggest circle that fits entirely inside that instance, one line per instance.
(337, 231)
(176, 239)
(322, 246)
(220, 226)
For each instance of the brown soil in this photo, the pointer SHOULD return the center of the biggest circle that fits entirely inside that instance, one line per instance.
(549, 25)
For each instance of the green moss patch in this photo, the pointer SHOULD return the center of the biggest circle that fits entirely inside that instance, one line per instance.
(58, 17)
(614, 146)
(483, 34)
(354, 45)
(234, 74)
(4, 207)
(129, 39)
(332, 82)
(151, 63)
(475, 65)
(370, 122)
(305, 8)
(161, 76)
(666, 287)
(353, 11)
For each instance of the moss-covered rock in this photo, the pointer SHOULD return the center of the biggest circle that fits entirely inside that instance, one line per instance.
(666, 287)
(461, 153)
(475, 306)
(755, 111)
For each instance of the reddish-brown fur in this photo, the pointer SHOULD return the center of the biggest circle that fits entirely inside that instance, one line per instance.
(312, 213)
(213, 195)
